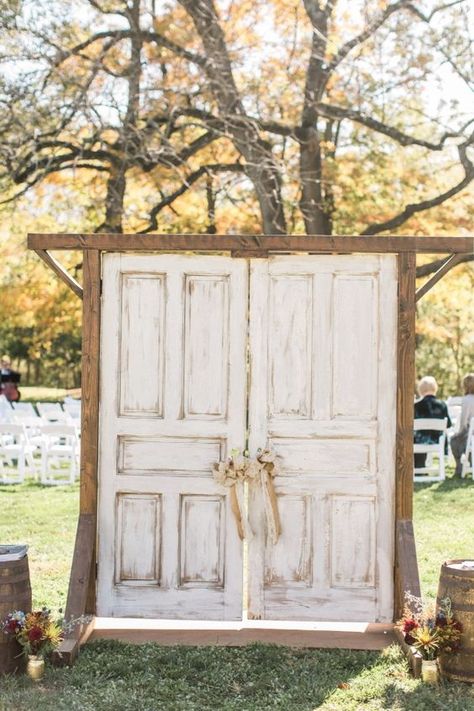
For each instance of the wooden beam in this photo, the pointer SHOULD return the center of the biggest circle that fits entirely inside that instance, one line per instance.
(79, 583)
(328, 635)
(405, 394)
(252, 243)
(90, 401)
(60, 271)
(81, 594)
(405, 385)
(408, 575)
(448, 264)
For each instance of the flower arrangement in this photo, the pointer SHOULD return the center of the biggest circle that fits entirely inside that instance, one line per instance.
(430, 632)
(36, 632)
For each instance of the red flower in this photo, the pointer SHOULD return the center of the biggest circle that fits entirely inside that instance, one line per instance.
(12, 626)
(35, 634)
(410, 625)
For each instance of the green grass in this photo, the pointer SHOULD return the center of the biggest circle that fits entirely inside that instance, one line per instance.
(45, 518)
(444, 527)
(40, 394)
(110, 676)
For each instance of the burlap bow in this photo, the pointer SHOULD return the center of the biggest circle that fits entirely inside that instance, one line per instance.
(238, 469)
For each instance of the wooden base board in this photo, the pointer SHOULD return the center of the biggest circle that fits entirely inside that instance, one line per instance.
(66, 653)
(330, 635)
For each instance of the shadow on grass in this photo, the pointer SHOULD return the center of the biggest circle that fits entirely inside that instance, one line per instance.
(452, 696)
(441, 487)
(111, 675)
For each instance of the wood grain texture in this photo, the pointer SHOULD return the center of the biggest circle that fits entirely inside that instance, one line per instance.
(80, 570)
(405, 392)
(90, 400)
(405, 385)
(61, 272)
(79, 586)
(331, 635)
(252, 243)
(407, 564)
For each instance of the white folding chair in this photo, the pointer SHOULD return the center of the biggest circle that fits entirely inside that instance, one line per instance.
(73, 409)
(15, 453)
(454, 404)
(24, 409)
(467, 458)
(52, 412)
(59, 454)
(434, 469)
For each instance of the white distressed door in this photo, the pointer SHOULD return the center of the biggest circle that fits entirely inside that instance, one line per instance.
(173, 401)
(323, 395)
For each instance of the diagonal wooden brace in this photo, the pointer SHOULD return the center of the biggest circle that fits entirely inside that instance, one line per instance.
(59, 270)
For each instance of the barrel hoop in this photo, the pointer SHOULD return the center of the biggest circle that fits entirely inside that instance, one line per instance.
(16, 594)
(14, 563)
(446, 569)
(457, 674)
(456, 581)
(19, 578)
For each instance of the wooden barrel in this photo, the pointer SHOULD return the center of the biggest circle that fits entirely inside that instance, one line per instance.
(15, 594)
(457, 582)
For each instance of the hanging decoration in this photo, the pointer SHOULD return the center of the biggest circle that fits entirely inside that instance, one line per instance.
(257, 471)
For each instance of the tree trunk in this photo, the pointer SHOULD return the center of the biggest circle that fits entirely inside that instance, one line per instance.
(316, 219)
(116, 185)
(261, 167)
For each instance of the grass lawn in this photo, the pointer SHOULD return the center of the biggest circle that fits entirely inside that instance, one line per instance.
(40, 394)
(113, 676)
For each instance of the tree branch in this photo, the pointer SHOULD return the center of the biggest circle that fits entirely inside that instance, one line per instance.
(187, 183)
(339, 112)
(413, 208)
(364, 35)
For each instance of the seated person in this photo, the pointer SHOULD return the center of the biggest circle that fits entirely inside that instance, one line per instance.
(459, 439)
(428, 407)
(5, 365)
(9, 386)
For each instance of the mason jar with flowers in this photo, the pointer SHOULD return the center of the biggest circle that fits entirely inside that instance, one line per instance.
(37, 633)
(430, 633)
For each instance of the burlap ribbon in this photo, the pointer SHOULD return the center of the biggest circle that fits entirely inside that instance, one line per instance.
(260, 471)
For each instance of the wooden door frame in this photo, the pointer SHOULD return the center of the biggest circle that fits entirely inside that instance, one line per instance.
(81, 595)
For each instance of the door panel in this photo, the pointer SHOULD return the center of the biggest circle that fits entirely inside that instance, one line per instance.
(173, 401)
(322, 395)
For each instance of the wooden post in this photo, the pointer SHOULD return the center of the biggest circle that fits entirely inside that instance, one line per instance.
(405, 394)
(90, 398)
(81, 593)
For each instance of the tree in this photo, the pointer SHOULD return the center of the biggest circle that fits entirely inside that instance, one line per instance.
(445, 338)
(284, 109)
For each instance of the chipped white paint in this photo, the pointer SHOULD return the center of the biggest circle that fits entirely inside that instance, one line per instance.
(142, 350)
(334, 560)
(138, 455)
(173, 394)
(206, 346)
(138, 537)
(202, 540)
(324, 456)
(322, 337)
(352, 542)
